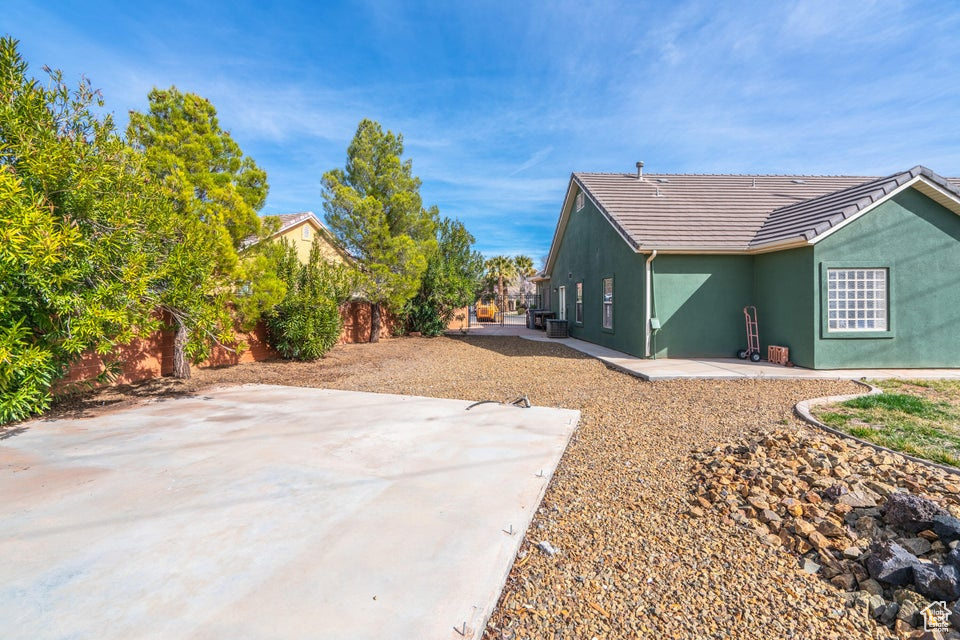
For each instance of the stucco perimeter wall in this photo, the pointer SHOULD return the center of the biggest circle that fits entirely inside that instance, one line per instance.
(152, 356)
(918, 240)
(591, 250)
(699, 302)
(784, 286)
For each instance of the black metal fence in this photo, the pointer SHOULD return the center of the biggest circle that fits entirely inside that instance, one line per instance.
(510, 310)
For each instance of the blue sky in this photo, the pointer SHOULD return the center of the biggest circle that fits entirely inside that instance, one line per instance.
(499, 102)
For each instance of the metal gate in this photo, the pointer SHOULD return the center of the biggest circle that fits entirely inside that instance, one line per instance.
(509, 310)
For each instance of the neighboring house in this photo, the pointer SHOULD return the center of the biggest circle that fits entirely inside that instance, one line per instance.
(301, 228)
(847, 272)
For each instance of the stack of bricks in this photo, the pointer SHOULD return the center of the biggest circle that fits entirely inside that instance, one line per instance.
(778, 355)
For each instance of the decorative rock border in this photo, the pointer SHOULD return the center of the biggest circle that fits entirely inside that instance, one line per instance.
(803, 411)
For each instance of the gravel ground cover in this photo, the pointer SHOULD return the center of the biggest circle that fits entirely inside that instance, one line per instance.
(620, 556)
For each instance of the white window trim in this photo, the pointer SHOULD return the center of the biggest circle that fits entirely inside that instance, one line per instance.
(857, 295)
(605, 303)
(305, 232)
(578, 304)
(581, 200)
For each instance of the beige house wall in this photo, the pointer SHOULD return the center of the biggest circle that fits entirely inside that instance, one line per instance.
(303, 243)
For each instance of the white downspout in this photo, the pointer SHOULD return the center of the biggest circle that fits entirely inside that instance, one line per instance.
(648, 307)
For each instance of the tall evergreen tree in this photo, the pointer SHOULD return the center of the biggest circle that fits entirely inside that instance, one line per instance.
(216, 191)
(373, 207)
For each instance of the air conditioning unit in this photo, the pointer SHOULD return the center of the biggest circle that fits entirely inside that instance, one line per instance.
(557, 329)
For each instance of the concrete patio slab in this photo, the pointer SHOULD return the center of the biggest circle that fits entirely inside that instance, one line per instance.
(706, 368)
(728, 368)
(270, 512)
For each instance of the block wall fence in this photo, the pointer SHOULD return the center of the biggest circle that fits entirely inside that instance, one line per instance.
(152, 357)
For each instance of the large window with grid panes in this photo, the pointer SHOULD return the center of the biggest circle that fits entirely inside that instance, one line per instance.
(857, 300)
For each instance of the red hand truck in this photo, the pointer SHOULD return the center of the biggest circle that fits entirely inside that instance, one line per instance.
(753, 336)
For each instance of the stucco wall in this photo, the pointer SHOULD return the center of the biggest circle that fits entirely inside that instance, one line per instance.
(590, 251)
(784, 294)
(295, 235)
(919, 242)
(699, 302)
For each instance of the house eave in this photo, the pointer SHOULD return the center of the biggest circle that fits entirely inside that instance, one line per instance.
(565, 217)
(921, 183)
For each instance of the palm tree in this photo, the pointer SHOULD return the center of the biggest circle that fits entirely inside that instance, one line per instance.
(524, 268)
(502, 269)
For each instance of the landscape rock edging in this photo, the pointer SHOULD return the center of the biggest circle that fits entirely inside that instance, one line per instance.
(803, 411)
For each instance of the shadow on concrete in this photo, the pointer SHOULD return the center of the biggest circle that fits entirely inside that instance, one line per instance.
(11, 430)
(517, 347)
(89, 402)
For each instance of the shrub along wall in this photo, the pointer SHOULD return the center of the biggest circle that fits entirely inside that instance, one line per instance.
(152, 357)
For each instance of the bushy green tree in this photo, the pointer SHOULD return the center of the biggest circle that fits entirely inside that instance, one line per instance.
(75, 208)
(373, 207)
(306, 324)
(452, 280)
(216, 192)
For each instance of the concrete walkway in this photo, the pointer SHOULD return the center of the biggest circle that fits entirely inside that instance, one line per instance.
(270, 512)
(707, 368)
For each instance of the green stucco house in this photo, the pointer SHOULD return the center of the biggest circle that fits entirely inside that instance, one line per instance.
(845, 271)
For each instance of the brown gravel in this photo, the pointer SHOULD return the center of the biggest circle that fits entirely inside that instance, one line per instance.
(630, 563)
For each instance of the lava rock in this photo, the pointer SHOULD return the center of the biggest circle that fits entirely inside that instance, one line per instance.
(889, 613)
(937, 582)
(955, 614)
(947, 528)
(891, 563)
(911, 512)
(953, 558)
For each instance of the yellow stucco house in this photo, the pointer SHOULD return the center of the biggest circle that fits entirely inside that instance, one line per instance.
(301, 229)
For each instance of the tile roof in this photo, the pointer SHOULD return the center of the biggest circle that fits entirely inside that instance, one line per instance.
(811, 218)
(288, 220)
(730, 212)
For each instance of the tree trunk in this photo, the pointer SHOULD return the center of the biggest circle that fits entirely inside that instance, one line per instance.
(501, 292)
(374, 322)
(181, 366)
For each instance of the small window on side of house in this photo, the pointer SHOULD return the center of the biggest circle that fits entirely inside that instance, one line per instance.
(608, 303)
(578, 309)
(580, 201)
(857, 300)
(305, 233)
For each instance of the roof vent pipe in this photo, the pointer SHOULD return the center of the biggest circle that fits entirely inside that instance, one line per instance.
(640, 171)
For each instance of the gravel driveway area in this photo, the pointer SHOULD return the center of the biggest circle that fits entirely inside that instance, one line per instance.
(629, 563)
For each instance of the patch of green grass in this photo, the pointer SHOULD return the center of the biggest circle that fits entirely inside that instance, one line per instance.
(918, 417)
(899, 402)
